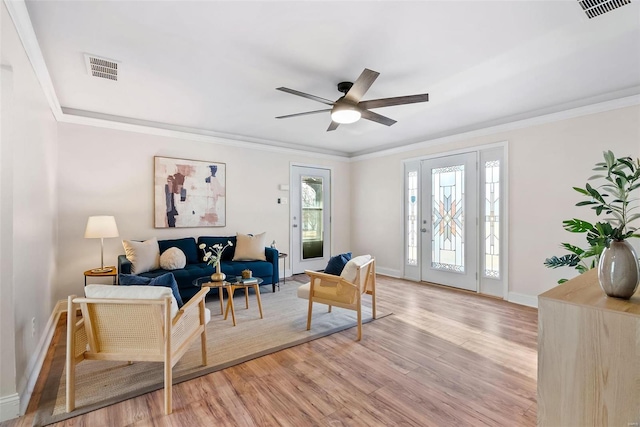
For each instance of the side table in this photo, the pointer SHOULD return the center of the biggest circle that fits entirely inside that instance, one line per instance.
(231, 287)
(113, 273)
(282, 256)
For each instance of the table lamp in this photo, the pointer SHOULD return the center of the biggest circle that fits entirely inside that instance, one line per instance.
(101, 227)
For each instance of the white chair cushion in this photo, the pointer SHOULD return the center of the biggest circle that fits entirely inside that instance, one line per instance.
(144, 256)
(351, 269)
(132, 292)
(303, 291)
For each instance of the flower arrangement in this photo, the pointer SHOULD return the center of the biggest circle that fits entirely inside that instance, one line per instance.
(213, 255)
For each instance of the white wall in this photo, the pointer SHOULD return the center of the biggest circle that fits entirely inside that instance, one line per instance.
(545, 162)
(105, 171)
(27, 219)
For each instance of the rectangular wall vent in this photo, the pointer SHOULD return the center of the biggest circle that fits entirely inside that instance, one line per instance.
(101, 67)
(595, 8)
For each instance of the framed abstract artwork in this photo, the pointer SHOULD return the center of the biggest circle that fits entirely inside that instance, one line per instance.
(189, 193)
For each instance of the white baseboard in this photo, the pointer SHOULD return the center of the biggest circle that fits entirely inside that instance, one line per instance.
(389, 272)
(522, 299)
(26, 385)
(9, 407)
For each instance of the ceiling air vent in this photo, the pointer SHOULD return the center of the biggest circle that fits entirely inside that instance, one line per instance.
(101, 67)
(595, 8)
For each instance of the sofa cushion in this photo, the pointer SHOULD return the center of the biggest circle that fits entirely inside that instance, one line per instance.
(144, 256)
(258, 268)
(131, 292)
(209, 241)
(250, 248)
(167, 280)
(336, 264)
(173, 259)
(186, 245)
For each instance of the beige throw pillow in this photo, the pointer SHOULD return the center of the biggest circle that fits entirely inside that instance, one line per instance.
(144, 256)
(250, 248)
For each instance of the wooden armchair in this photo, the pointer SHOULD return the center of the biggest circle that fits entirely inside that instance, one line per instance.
(345, 291)
(133, 323)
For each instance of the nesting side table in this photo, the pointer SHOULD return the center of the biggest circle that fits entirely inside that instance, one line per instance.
(113, 273)
(282, 256)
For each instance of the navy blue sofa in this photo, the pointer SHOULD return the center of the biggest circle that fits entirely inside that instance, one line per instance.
(195, 268)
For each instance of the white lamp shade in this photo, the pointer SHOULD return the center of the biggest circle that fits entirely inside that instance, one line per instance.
(101, 226)
(345, 113)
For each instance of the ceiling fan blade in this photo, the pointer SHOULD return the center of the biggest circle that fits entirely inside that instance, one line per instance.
(398, 100)
(375, 117)
(303, 114)
(305, 95)
(361, 86)
(333, 126)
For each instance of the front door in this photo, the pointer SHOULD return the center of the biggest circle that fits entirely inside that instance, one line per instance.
(310, 218)
(449, 221)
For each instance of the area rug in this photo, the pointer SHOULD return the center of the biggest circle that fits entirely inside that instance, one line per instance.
(100, 383)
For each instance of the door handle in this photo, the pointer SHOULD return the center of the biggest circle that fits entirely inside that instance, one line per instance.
(295, 225)
(424, 230)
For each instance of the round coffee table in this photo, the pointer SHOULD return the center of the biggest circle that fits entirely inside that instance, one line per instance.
(231, 285)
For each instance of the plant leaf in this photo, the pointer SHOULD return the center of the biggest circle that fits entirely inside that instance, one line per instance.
(581, 191)
(609, 158)
(577, 225)
(570, 260)
(571, 248)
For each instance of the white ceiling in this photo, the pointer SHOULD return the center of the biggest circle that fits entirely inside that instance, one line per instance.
(213, 66)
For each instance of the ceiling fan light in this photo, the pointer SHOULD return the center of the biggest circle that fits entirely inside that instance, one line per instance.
(345, 114)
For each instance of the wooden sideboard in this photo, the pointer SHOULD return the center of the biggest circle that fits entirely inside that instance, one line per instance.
(588, 356)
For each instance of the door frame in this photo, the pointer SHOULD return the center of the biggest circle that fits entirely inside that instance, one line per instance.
(331, 175)
(505, 210)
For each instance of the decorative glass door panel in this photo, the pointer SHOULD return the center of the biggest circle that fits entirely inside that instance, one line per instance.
(412, 218)
(492, 219)
(449, 232)
(448, 218)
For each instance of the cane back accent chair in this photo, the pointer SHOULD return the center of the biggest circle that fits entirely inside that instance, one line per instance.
(133, 323)
(357, 278)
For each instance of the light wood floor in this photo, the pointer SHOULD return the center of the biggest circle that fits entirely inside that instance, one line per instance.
(444, 358)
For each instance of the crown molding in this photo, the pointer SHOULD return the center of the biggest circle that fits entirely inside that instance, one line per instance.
(22, 22)
(599, 107)
(199, 135)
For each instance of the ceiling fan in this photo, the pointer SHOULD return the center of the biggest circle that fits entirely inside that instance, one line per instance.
(349, 109)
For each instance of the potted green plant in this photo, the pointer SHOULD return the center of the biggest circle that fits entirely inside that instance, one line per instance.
(617, 262)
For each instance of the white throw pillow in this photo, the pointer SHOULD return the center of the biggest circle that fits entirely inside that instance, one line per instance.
(173, 259)
(132, 292)
(351, 269)
(250, 248)
(144, 256)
